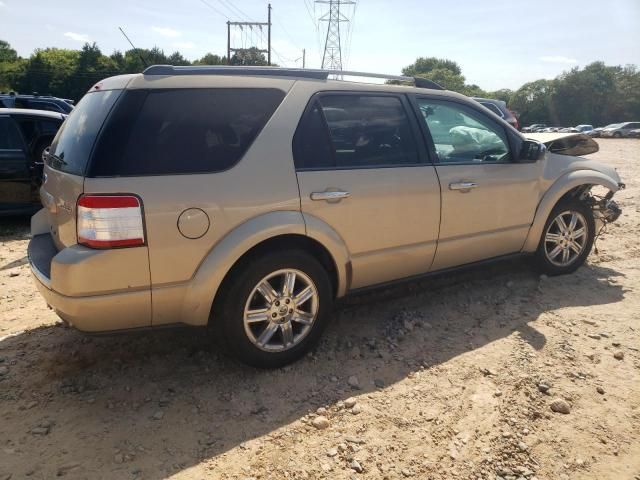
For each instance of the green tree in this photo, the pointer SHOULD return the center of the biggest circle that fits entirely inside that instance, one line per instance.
(7, 54)
(249, 56)
(211, 59)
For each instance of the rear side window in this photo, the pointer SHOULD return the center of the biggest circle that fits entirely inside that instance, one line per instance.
(163, 132)
(9, 135)
(355, 131)
(74, 142)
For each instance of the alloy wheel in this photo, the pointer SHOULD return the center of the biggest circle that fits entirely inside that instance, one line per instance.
(565, 238)
(281, 310)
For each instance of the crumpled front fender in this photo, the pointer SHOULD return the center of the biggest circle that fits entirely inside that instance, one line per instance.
(560, 187)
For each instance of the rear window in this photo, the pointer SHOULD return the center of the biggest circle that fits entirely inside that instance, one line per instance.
(164, 132)
(72, 145)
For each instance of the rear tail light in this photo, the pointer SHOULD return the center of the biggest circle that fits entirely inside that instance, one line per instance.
(108, 221)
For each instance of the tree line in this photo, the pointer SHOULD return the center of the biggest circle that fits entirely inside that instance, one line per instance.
(597, 94)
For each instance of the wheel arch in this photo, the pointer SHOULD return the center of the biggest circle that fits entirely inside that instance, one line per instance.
(269, 232)
(567, 185)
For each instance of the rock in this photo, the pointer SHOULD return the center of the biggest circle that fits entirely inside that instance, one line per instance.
(353, 382)
(355, 465)
(320, 422)
(615, 344)
(64, 469)
(600, 390)
(379, 383)
(543, 387)
(595, 336)
(523, 447)
(497, 393)
(619, 355)
(14, 274)
(350, 402)
(321, 411)
(406, 472)
(332, 452)
(356, 409)
(119, 458)
(40, 430)
(3, 370)
(560, 406)
(355, 352)
(158, 415)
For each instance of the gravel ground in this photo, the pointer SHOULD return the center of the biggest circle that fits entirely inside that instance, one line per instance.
(494, 373)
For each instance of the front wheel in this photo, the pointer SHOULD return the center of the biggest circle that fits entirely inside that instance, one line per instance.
(275, 309)
(567, 238)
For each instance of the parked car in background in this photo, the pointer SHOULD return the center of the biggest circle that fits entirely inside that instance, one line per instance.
(568, 130)
(24, 137)
(36, 102)
(499, 107)
(584, 128)
(249, 198)
(634, 133)
(619, 130)
(536, 127)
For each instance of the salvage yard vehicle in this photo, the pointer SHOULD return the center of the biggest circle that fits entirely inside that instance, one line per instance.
(249, 198)
(24, 138)
(619, 130)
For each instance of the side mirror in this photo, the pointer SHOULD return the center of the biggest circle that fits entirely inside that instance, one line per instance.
(532, 151)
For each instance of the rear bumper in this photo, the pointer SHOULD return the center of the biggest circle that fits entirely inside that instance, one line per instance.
(91, 313)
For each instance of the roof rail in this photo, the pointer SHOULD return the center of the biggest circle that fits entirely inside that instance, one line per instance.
(282, 72)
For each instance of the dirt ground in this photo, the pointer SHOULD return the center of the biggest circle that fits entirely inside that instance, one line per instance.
(452, 377)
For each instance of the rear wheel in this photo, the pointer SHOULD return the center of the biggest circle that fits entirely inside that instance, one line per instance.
(567, 238)
(275, 309)
(617, 135)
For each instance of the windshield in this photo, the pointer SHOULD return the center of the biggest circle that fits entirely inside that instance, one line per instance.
(72, 145)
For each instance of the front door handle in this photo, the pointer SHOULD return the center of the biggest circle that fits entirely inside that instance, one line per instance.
(330, 195)
(463, 186)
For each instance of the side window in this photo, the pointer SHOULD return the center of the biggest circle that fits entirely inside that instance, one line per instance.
(9, 136)
(493, 108)
(461, 135)
(49, 127)
(28, 128)
(365, 131)
(183, 130)
(38, 105)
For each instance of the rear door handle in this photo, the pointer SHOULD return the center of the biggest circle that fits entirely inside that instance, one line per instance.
(330, 195)
(464, 186)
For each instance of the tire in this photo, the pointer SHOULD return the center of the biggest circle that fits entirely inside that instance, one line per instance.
(544, 259)
(242, 338)
(617, 135)
(39, 150)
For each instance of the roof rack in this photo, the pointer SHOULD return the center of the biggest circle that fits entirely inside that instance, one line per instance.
(282, 72)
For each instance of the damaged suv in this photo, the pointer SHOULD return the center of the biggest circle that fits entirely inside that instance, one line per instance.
(248, 199)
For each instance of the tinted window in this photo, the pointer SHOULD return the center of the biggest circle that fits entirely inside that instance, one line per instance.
(9, 136)
(493, 108)
(311, 143)
(461, 135)
(72, 145)
(48, 127)
(183, 131)
(39, 105)
(364, 131)
(28, 129)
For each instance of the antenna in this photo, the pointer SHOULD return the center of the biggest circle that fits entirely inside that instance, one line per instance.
(144, 62)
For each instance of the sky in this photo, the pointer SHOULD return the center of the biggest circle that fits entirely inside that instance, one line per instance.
(498, 43)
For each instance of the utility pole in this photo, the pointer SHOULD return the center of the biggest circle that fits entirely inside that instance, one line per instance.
(250, 25)
(332, 56)
(269, 36)
(304, 58)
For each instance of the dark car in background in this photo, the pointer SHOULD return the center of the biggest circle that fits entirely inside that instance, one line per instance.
(499, 107)
(36, 102)
(24, 137)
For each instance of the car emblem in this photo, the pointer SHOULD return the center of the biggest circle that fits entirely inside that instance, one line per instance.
(66, 207)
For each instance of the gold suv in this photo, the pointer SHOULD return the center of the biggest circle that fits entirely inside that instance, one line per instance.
(251, 198)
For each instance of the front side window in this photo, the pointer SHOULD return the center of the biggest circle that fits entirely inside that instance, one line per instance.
(9, 136)
(355, 131)
(461, 135)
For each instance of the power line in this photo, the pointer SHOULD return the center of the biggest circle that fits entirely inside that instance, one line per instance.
(214, 9)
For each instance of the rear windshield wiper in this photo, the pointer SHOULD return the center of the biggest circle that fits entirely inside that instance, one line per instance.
(57, 159)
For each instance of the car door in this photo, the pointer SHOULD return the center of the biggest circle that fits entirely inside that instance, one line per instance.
(15, 180)
(488, 199)
(363, 174)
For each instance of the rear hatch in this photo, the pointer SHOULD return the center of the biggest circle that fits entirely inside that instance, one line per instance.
(67, 162)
